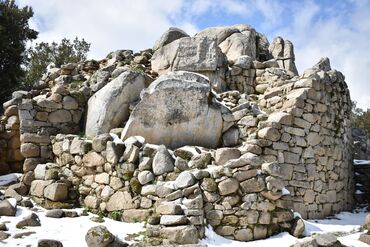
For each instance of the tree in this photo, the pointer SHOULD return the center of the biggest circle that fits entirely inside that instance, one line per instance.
(14, 34)
(42, 54)
(361, 118)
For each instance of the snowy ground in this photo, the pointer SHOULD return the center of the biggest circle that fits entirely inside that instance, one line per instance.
(71, 231)
(344, 222)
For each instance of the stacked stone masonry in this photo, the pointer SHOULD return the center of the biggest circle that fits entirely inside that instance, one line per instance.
(248, 141)
(185, 189)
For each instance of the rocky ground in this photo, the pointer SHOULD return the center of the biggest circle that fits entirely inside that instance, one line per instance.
(32, 224)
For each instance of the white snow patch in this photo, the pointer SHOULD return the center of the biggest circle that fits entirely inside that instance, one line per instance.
(215, 240)
(285, 191)
(12, 202)
(361, 162)
(343, 222)
(116, 139)
(70, 231)
(297, 215)
(359, 192)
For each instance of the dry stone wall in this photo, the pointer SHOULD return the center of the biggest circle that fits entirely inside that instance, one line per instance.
(302, 127)
(58, 111)
(11, 159)
(177, 192)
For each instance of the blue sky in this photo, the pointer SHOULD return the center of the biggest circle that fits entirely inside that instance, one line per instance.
(338, 29)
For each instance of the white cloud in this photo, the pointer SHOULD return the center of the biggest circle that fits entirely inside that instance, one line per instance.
(341, 37)
(107, 25)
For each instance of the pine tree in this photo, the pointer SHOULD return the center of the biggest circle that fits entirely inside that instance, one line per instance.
(14, 34)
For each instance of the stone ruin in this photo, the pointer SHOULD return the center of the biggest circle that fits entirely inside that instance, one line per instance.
(214, 130)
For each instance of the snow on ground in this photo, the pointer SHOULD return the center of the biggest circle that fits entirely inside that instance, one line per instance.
(343, 222)
(361, 162)
(70, 231)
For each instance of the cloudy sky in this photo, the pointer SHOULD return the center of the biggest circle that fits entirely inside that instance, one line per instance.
(339, 29)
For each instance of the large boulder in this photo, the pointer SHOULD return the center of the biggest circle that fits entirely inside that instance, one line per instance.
(169, 36)
(109, 107)
(177, 110)
(197, 54)
(99, 236)
(217, 33)
(283, 51)
(239, 44)
(236, 41)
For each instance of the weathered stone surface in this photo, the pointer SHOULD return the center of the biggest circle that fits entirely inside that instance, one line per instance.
(60, 116)
(99, 142)
(98, 236)
(108, 108)
(135, 215)
(120, 200)
(197, 54)
(298, 227)
(38, 186)
(244, 235)
(93, 159)
(253, 185)
(169, 208)
(172, 220)
(31, 220)
(55, 213)
(365, 238)
(114, 151)
(49, 243)
(185, 179)
(327, 240)
(91, 202)
(176, 111)
(231, 137)
(228, 186)
(145, 177)
(102, 178)
(7, 208)
(224, 154)
(269, 133)
(284, 171)
(239, 44)
(56, 192)
(169, 36)
(259, 232)
(218, 33)
(29, 150)
(162, 161)
(180, 234)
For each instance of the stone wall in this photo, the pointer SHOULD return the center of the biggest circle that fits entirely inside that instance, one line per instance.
(11, 159)
(57, 111)
(303, 126)
(176, 192)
